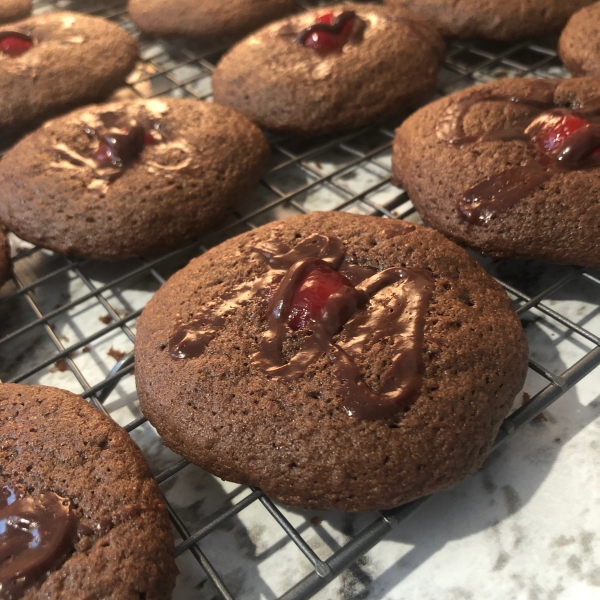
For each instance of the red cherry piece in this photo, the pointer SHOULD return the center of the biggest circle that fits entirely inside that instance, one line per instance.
(149, 139)
(326, 18)
(104, 154)
(550, 130)
(119, 147)
(14, 44)
(309, 300)
(328, 41)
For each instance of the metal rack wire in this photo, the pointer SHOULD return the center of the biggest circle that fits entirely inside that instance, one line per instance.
(57, 312)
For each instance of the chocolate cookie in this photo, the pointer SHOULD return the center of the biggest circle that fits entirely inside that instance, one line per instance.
(510, 168)
(90, 520)
(579, 43)
(330, 69)
(11, 10)
(209, 20)
(54, 61)
(4, 258)
(129, 178)
(494, 19)
(368, 361)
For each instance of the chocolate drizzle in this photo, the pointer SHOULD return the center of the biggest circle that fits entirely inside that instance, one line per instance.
(451, 126)
(386, 308)
(189, 340)
(499, 192)
(36, 536)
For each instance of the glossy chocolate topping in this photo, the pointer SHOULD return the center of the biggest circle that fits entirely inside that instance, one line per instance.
(365, 309)
(567, 148)
(451, 126)
(499, 192)
(36, 536)
(191, 338)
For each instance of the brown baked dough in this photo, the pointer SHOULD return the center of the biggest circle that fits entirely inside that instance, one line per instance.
(494, 19)
(75, 59)
(293, 438)
(11, 10)
(283, 86)
(558, 221)
(205, 159)
(209, 20)
(579, 43)
(53, 441)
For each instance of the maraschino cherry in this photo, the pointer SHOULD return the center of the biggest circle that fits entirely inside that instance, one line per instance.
(329, 33)
(121, 146)
(565, 136)
(14, 43)
(311, 297)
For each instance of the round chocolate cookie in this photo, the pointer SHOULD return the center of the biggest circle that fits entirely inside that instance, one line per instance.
(82, 515)
(209, 20)
(510, 168)
(579, 43)
(55, 61)
(129, 178)
(494, 19)
(330, 69)
(334, 360)
(4, 258)
(11, 10)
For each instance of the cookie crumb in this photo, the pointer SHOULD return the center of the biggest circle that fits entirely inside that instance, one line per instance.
(316, 521)
(106, 319)
(60, 366)
(526, 398)
(116, 354)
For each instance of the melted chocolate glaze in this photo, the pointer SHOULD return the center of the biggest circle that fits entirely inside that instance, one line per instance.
(36, 536)
(450, 128)
(190, 339)
(334, 28)
(396, 317)
(499, 192)
(481, 203)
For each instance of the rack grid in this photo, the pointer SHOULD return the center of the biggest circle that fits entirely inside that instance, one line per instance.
(73, 321)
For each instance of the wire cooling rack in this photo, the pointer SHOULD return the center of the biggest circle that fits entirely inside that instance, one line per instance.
(71, 323)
